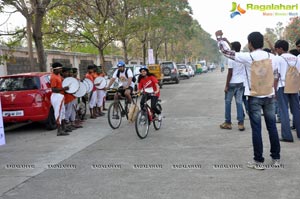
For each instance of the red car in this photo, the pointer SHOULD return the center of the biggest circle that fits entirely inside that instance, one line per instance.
(26, 98)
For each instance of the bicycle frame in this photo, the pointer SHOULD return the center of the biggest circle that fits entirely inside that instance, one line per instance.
(124, 108)
(145, 117)
(149, 110)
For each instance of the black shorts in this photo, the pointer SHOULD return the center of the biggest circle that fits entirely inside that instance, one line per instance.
(122, 91)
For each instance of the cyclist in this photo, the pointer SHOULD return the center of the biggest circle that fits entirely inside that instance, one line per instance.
(125, 76)
(148, 81)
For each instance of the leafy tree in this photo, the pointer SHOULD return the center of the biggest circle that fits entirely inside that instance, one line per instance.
(34, 11)
(292, 31)
(89, 21)
(125, 16)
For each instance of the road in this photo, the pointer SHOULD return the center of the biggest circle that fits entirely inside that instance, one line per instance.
(190, 157)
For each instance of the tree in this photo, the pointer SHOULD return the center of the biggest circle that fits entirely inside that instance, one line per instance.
(88, 21)
(125, 16)
(292, 31)
(17, 35)
(34, 12)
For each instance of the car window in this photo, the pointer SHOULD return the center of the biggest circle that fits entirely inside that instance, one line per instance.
(19, 83)
(168, 64)
(181, 66)
(47, 78)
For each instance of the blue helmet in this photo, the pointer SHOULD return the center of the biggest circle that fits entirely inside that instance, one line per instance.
(144, 68)
(121, 64)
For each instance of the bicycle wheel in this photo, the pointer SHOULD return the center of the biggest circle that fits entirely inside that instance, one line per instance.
(142, 124)
(114, 115)
(157, 123)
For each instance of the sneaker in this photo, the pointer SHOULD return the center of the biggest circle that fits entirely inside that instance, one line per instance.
(256, 165)
(101, 114)
(63, 134)
(116, 117)
(241, 127)
(285, 140)
(226, 125)
(276, 162)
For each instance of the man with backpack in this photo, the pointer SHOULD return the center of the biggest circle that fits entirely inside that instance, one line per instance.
(288, 88)
(126, 78)
(261, 74)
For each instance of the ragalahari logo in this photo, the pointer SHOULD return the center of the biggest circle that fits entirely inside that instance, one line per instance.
(236, 10)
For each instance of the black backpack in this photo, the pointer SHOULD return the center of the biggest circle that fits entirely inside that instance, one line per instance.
(133, 78)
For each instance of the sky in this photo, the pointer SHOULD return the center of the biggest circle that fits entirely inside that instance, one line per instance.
(214, 15)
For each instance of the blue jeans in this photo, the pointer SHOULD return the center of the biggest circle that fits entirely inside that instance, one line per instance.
(277, 111)
(236, 90)
(284, 101)
(268, 106)
(245, 100)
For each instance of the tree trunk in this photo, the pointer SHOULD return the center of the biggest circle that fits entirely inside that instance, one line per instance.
(38, 38)
(166, 50)
(144, 52)
(125, 53)
(29, 43)
(172, 50)
(144, 48)
(102, 59)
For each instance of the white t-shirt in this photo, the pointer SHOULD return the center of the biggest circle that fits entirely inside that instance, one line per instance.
(284, 61)
(122, 77)
(245, 58)
(238, 71)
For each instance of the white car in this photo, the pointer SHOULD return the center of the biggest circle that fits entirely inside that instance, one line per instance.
(183, 70)
(204, 69)
(191, 71)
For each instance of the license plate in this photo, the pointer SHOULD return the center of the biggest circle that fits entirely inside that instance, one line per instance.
(12, 113)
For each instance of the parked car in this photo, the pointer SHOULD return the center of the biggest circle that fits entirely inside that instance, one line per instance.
(212, 67)
(170, 72)
(204, 69)
(183, 70)
(191, 71)
(156, 69)
(26, 98)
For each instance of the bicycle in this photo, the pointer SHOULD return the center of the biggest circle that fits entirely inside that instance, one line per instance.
(117, 110)
(144, 118)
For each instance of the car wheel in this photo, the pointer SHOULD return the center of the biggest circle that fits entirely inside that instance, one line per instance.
(51, 122)
(177, 80)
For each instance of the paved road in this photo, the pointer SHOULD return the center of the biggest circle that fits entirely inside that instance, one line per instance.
(190, 157)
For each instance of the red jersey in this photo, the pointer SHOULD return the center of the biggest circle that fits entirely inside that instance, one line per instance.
(148, 82)
(56, 81)
(69, 98)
